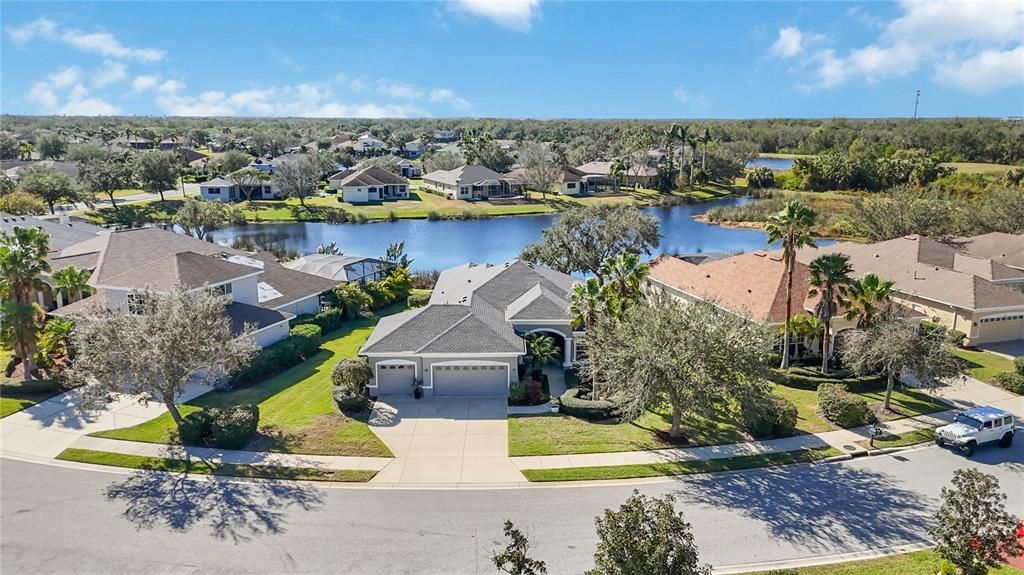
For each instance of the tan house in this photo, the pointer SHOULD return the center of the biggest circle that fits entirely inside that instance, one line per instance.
(967, 284)
(570, 181)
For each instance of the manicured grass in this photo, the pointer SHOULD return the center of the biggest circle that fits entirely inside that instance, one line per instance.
(983, 365)
(557, 434)
(297, 413)
(917, 563)
(202, 467)
(905, 403)
(900, 440)
(980, 168)
(12, 400)
(680, 468)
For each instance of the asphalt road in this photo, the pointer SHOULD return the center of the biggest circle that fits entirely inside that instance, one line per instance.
(58, 520)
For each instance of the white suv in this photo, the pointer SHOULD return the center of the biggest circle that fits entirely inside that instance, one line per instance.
(974, 427)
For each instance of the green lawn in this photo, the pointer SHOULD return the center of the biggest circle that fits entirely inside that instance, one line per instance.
(680, 468)
(917, 563)
(905, 403)
(202, 467)
(980, 168)
(983, 365)
(12, 400)
(297, 413)
(557, 434)
(900, 440)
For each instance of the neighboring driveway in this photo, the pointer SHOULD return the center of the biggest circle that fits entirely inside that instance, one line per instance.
(1010, 349)
(444, 440)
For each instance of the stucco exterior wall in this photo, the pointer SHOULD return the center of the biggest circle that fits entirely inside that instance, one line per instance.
(271, 335)
(309, 305)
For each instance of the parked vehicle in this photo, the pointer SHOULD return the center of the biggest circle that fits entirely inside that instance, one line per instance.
(975, 427)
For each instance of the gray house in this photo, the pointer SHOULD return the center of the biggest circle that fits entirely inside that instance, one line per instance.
(469, 340)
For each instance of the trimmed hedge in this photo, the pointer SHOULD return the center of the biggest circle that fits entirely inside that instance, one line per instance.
(195, 427)
(1018, 365)
(842, 407)
(231, 428)
(329, 320)
(302, 343)
(589, 409)
(417, 300)
(11, 388)
(777, 417)
(809, 378)
(1011, 382)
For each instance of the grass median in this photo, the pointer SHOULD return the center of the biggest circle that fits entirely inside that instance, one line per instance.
(680, 467)
(917, 563)
(899, 440)
(203, 467)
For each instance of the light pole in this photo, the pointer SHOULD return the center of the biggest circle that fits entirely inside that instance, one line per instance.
(917, 99)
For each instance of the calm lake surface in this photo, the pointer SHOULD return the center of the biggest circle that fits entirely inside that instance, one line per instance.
(778, 164)
(437, 245)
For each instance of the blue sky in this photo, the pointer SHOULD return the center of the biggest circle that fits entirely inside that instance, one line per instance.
(513, 58)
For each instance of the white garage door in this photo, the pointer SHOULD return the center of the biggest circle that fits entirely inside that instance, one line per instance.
(1002, 328)
(471, 380)
(395, 379)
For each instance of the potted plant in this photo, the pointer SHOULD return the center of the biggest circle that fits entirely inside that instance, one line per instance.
(417, 389)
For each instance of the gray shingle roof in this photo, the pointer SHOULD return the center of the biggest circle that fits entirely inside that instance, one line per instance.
(242, 314)
(61, 235)
(186, 269)
(372, 176)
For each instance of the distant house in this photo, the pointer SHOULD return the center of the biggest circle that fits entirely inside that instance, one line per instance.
(369, 185)
(341, 268)
(13, 168)
(367, 143)
(173, 143)
(226, 189)
(473, 183)
(406, 168)
(413, 149)
(642, 176)
(133, 142)
(269, 163)
(444, 136)
(569, 181)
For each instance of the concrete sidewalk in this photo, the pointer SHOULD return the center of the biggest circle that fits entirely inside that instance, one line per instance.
(231, 456)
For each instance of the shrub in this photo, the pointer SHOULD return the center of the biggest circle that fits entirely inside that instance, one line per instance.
(306, 339)
(1018, 365)
(589, 409)
(18, 387)
(351, 376)
(811, 378)
(955, 337)
(196, 427)
(232, 427)
(842, 407)
(352, 299)
(22, 204)
(417, 299)
(771, 416)
(329, 320)
(1011, 382)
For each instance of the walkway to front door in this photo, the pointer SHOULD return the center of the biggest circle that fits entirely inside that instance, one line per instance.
(444, 440)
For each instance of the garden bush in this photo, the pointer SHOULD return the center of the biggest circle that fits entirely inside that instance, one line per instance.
(417, 299)
(530, 392)
(232, 428)
(773, 416)
(1011, 381)
(589, 409)
(329, 320)
(196, 427)
(842, 407)
(351, 376)
(306, 339)
(302, 343)
(1018, 365)
(810, 378)
(12, 388)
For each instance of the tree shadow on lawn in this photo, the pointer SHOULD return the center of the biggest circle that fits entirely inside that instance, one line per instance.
(821, 506)
(231, 509)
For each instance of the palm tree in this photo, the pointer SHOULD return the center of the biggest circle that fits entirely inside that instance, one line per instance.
(830, 279)
(792, 226)
(693, 142)
(622, 276)
(868, 295)
(704, 138)
(72, 282)
(586, 300)
(22, 263)
(329, 249)
(616, 171)
(25, 150)
(542, 349)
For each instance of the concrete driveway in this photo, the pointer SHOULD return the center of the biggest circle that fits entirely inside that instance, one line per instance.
(445, 440)
(1010, 349)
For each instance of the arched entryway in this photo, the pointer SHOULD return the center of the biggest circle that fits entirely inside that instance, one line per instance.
(564, 343)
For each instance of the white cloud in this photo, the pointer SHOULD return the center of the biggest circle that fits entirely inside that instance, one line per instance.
(103, 43)
(985, 72)
(395, 89)
(144, 82)
(515, 14)
(685, 96)
(80, 104)
(446, 96)
(111, 72)
(65, 77)
(970, 45)
(46, 94)
(305, 100)
(680, 94)
(42, 94)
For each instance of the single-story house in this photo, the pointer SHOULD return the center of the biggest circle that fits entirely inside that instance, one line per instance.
(412, 149)
(173, 143)
(962, 284)
(568, 183)
(133, 142)
(341, 268)
(226, 189)
(473, 183)
(14, 168)
(367, 143)
(402, 166)
(642, 176)
(371, 184)
(469, 340)
(125, 263)
(444, 136)
(751, 284)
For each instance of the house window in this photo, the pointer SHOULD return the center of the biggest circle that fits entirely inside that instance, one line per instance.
(223, 290)
(136, 303)
(571, 185)
(213, 190)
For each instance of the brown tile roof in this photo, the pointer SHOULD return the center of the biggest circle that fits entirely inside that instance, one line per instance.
(751, 284)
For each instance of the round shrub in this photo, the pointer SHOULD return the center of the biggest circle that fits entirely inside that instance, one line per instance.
(347, 402)
(1018, 365)
(351, 376)
(232, 427)
(418, 299)
(774, 415)
(842, 407)
(785, 413)
(306, 339)
(1011, 382)
(589, 409)
(195, 427)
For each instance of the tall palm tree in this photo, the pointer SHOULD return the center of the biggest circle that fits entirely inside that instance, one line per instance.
(869, 295)
(586, 300)
(792, 226)
(616, 171)
(25, 150)
(622, 276)
(830, 280)
(22, 263)
(704, 138)
(72, 282)
(693, 142)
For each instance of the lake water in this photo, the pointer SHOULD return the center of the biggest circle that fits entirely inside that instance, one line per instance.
(437, 245)
(777, 164)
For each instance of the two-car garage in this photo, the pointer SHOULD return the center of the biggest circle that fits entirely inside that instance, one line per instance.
(469, 379)
(1002, 327)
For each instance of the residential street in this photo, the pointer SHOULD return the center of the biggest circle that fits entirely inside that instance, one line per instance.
(68, 520)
